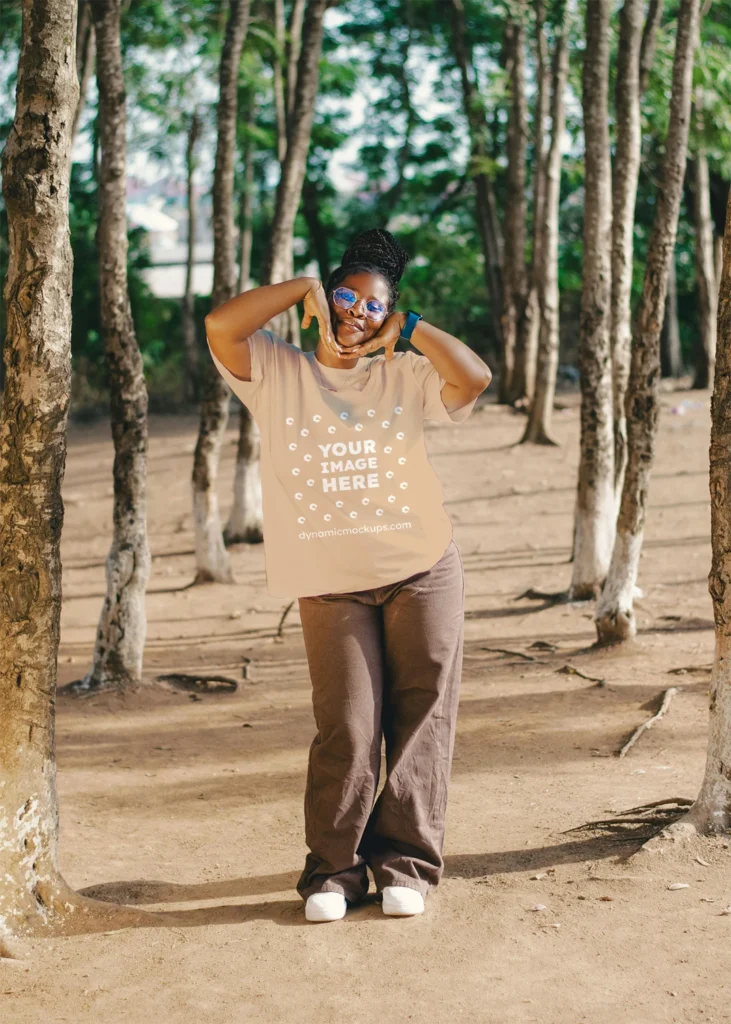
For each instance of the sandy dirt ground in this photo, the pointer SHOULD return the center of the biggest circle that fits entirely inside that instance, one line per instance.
(193, 807)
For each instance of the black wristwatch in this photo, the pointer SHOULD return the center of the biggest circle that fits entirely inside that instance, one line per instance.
(410, 323)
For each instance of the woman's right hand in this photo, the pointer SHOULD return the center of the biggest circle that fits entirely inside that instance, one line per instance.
(316, 305)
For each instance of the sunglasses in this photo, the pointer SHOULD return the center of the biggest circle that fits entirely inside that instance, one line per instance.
(346, 297)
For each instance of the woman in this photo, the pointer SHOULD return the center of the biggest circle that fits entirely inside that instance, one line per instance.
(356, 530)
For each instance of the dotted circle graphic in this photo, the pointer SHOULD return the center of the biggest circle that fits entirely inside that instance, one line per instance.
(344, 454)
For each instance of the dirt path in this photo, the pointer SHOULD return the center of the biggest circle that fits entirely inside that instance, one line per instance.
(193, 807)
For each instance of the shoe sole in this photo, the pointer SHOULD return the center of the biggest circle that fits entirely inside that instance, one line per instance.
(325, 918)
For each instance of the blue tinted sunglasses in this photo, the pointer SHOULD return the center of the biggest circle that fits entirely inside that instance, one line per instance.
(346, 297)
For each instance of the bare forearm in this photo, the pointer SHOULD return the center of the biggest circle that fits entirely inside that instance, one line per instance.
(236, 319)
(454, 360)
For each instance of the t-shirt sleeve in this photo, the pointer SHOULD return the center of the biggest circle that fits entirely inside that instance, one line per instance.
(431, 384)
(261, 347)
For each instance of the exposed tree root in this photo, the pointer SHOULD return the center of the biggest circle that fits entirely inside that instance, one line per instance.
(280, 627)
(8, 951)
(207, 683)
(667, 696)
(685, 669)
(63, 911)
(638, 824)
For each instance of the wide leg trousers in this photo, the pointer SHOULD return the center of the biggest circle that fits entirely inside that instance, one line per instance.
(385, 663)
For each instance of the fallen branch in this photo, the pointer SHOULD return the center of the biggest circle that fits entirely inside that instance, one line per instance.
(208, 683)
(502, 650)
(683, 670)
(666, 698)
(569, 670)
(557, 597)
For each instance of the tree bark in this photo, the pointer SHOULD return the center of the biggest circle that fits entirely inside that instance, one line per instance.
(278, 260)
(538, 429)
(625, 176)
(530, 323)
(595, 506)
(212, 559)
(615, 620)
(293, 48)
(711, 812)
(513, 384)
(36, 163)
(649, 39)
(278, 84)
(285, 91)
(671, 364)
(488, 223)
(245, 521)
(317, 231)
(85, 56)
(190, 341)
(122, 627)
(388, 201)
(705, 274)
(246, 203)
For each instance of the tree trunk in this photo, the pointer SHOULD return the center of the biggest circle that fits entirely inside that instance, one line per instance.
(36, 164)
(122, 627)
(530, 323)
(615, 620)
(212, 559)
(671, 364)
(538, 430)
(190, 342)
(278, 260)
(388, 201)
(624, 183)
(278, 84)
(245, 522)
(705, 271)
(711, 812)
(595, 506)
(318, 233)
(515, 338)
(649, 38)
(488, 222)
(293, 48)
(85, 57)
(287, 325)
(246, 203)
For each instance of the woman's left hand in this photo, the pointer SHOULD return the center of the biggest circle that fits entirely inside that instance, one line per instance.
(386, 337)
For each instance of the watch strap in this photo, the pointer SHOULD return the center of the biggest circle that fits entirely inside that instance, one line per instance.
(412, 319)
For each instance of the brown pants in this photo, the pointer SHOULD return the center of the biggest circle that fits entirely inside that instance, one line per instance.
(385, 662)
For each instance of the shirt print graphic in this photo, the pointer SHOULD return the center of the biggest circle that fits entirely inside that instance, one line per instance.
(349, 475)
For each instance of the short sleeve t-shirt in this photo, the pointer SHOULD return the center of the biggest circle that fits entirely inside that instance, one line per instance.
(350, 500)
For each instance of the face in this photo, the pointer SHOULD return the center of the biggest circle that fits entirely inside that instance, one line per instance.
(352, 326)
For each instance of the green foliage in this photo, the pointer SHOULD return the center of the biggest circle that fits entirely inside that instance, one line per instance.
(388, 72)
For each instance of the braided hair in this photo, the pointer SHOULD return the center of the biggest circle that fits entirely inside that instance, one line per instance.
(374, 251)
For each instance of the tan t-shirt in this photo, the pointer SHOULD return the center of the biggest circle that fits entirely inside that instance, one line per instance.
(350, 500)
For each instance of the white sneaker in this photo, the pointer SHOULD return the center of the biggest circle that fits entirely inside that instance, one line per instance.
(401, 901)
(325, 906)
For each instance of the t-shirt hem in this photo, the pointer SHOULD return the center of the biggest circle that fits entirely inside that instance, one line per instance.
(385, 582)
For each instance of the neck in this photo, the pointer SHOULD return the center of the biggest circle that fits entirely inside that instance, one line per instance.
(324, 356)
